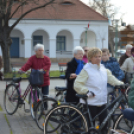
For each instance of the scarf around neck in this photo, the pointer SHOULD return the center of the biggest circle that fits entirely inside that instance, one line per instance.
(85, 59)
(79, 66)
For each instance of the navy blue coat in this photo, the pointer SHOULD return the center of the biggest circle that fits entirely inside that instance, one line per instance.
(114, 67)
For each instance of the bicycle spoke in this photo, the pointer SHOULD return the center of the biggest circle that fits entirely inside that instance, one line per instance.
(65, 120)
(11, 99)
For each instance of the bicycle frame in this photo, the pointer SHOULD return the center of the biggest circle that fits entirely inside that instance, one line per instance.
(28, 89)
(115, 104)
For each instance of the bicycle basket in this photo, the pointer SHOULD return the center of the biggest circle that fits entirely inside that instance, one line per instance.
(36, 78)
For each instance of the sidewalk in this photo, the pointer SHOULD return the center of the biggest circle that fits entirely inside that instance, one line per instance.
(21, 122)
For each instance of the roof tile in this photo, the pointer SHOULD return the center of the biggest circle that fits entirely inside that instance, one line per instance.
(57, 11)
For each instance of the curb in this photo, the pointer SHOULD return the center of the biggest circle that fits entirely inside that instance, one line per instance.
(9, 79)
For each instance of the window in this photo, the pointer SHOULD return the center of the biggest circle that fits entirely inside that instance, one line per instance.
(37, 39)
(60, 43)
(67, 3)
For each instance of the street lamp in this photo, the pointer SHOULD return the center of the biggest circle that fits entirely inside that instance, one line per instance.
(116, 36)
(86, 29)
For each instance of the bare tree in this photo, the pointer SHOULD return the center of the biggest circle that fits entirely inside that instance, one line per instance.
(8, 8)
(104, 7)
(107, 9)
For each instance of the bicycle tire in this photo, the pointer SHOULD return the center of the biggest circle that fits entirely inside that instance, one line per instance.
(12, 98)
(120, 126)
(69, 106)
(52, 102)
(31, 103)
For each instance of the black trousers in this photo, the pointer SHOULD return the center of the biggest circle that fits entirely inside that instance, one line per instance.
(94, 110)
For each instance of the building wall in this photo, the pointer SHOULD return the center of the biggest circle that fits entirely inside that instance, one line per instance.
(69, 45)
(69, 39)
(19, 34)
(73, 30)
(45, 40)
(91, 39)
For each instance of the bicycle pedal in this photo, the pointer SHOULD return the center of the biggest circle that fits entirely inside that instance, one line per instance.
(27, 110)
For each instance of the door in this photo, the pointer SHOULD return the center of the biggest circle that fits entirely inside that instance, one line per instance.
(14, 49)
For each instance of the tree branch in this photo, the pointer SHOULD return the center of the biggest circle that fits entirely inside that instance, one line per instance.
(17, 9)
(23, 15)
(10, 7)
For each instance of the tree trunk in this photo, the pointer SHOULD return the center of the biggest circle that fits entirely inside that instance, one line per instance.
(6, 56)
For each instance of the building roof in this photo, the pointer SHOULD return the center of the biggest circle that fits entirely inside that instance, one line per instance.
(63, 10)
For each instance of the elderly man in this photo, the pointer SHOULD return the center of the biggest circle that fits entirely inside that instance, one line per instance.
(39, 62)
(126, 55)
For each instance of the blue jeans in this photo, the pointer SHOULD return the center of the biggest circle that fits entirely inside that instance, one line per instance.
(45, 91)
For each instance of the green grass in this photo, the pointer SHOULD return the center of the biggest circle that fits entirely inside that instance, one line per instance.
(56, 73)
(1, 108)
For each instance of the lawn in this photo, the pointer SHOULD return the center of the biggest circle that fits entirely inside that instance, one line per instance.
(56, 73)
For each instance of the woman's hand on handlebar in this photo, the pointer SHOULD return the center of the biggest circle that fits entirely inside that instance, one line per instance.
(123, 86)
(21, 72)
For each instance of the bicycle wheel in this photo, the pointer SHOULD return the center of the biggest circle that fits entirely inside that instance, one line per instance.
(65, 119)
(11, 99)
(122, 125)
(34, 97)
(41, 112)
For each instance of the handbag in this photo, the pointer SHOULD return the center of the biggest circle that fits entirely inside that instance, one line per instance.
(36, 77)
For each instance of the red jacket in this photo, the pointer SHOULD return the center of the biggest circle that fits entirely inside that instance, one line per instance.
(39, 63)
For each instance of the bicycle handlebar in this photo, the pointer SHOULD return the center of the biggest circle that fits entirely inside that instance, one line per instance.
(124, 86)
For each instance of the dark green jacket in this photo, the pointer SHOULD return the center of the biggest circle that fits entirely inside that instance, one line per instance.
(131, 95)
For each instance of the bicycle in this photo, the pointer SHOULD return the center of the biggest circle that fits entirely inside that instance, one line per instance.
(63, 117)
(129, 76)
(13, 97)
(52, 102)
(125, 122)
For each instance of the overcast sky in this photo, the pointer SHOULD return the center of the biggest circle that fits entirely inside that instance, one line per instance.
(126, 6)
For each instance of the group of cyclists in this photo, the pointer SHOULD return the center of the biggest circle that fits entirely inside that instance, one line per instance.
(91, 72)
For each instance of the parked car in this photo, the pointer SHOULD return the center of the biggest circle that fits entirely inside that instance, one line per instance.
(120, 52)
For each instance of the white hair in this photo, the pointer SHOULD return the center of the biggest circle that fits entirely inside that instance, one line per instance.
(128, 46)
(38, 46)
(78, 48)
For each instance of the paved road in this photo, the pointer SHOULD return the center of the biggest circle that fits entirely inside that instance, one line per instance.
(21, 122)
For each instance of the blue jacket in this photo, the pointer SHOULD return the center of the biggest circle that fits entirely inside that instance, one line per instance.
(114, 67)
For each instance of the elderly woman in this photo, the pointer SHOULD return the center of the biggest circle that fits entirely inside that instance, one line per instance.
(40, 62)
(126, 55)
(93, 79)
(128, 66)
(74, 67)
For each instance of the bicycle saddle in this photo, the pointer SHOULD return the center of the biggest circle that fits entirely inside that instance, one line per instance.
(61, 88)
(82, 96)
(17, 80)
(128, 114)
